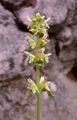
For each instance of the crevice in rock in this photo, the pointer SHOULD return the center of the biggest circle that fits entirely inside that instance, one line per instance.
(4, 82)
(55, 29)
(57, 48)
(12, 8)
(8, 78)
(20, 25)
(18, 4)
(73, 73)
(53, 32)
(9, 6)
(11, 63)
(22, 65)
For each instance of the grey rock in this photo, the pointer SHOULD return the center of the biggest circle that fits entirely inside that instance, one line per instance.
(65, 42)
(56, 9)
(12, 46)
(15, 102)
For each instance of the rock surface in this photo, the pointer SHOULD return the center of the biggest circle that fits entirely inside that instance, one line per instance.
(15, 104)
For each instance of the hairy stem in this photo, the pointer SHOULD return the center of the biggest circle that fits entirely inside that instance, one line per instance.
(38, 95)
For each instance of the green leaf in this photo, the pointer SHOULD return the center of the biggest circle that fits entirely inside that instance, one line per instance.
(50, 93)
(30, 93)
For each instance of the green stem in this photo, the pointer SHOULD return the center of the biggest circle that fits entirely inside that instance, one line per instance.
(38, 95)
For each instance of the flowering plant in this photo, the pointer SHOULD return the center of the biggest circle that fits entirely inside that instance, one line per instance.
(38, 27)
